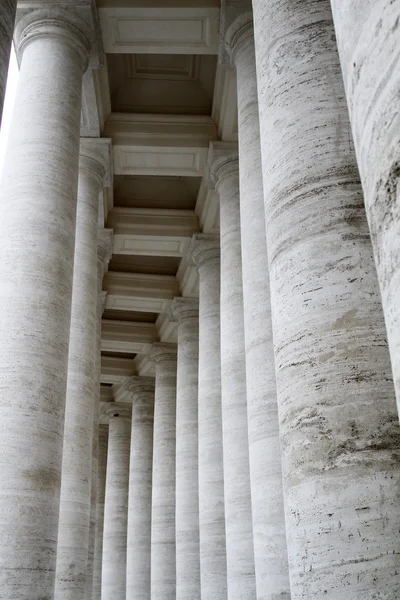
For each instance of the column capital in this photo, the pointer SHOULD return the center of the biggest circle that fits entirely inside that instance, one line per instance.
(104, 247)
(239, 36)
(232, 11)
(204, 247)
(95, 157)
(162, 352)
(223, 162)
(142, 389)
(57, 23)
(116, 410)
(183, 309)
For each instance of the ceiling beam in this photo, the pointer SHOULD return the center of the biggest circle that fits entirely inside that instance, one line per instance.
(126, 336)
(159, 30)
(172, 145)
(139, 292)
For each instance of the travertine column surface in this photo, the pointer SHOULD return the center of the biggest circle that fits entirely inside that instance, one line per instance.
(163, 577)
(140, 479)
(113, 576)
(270, 551)
(93, 579)
(7, 17)
(186, 312)
(338, 419)
(224, 167)
(368, 36)
(101, 490)
(205, 253)
(37, 232)
(82, 382)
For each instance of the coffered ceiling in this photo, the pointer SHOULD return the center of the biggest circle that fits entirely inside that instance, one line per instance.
(162, 98)
(162, 83)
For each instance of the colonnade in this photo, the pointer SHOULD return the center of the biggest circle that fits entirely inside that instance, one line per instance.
(263, 461)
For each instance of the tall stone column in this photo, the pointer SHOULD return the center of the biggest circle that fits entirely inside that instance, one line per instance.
(82, 382)
(101, 490)
(186, 312)
(338, 419)
(116, 502)
(104, 252)
(138, 578)
(270, 551)
(368, 37)
(7, 17)
(205, 253)
(37, 233)
(163, 577)
(224, 168)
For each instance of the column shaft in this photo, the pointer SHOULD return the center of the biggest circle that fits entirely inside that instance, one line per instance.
(163, 576)
(7, 17)
(116, 503)
(338, 419)
(101, 490)
(238, 516)
(368, 36)
(104, 252)
(206, 256)
(185, 311)
(75, 501)
(140, 482)
(270, 551)
(37, 232)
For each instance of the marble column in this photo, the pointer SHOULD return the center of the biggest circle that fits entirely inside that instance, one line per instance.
(140, 482)
(224, 168)
(338, 420)
(269, 533)
(186, 312)
(205, 253)
(104, 251)
(7, 17)
(113, 578)
(163, 577)
(101, 490)
(82, 382)
(37, 232)
(368, 37)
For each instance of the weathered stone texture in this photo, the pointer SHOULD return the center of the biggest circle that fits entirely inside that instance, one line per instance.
(238, 517)
(37, 231)
(138, 577)
(7, 16)
(368, 35)
(163, 563)
(205, 251)
(269, 533)
(185, 311)
(339, 428)
(113, 584)
(101, 490)
(82, 383)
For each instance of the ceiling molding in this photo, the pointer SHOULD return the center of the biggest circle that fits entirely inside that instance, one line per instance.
(115, 369)
(188, 278)
(152, 232)
(167, 329)
(207, 208)
(139, 292)
(144, 365)
(123, 336)
(157, 30)
(160, 144)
